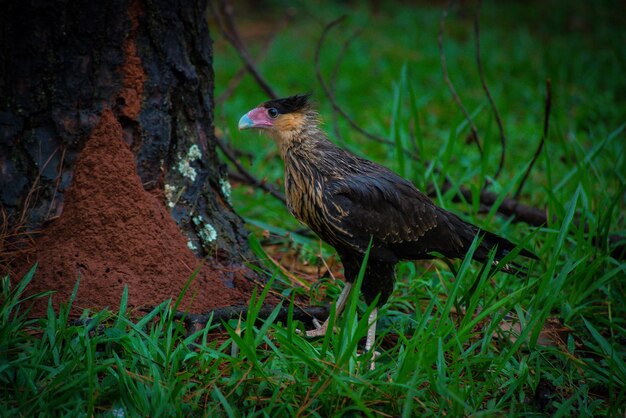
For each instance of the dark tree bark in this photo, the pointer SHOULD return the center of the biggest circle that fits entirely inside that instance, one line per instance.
(62, 63)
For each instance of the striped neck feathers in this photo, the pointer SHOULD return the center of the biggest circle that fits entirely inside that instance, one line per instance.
(297, 130)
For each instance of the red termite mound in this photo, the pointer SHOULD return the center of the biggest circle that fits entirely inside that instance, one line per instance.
(112, 233)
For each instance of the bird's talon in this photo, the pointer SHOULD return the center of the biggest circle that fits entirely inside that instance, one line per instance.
(317, 324)
(372, 362)
(375, 354)
(317, 332)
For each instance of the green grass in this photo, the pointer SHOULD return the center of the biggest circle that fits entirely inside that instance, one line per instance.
(445, 348)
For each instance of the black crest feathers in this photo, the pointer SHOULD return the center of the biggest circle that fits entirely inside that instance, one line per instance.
(289, 104)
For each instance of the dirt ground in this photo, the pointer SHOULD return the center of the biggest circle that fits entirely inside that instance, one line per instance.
(112, 233)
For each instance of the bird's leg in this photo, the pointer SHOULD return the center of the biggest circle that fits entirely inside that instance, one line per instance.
(371, 336)
(320, 329)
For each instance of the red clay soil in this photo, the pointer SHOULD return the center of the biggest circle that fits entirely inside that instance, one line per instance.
(112, 233)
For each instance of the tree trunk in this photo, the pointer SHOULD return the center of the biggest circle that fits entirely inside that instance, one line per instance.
(81, 74)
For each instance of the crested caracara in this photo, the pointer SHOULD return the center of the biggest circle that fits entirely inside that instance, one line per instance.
(349, 201)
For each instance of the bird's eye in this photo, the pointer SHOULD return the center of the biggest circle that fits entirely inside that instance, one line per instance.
(272, 112)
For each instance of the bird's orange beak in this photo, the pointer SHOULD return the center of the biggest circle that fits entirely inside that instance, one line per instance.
(256, 118)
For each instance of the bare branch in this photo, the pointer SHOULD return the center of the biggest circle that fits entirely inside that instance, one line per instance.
(546, 126)
(259, 184)
(447, 80)
(333, 78)
(236, 79)
(224, 18)
(246, 176)
(305, 315)
(216, 316)
(329, 93)
(232, 85)
(483, 81)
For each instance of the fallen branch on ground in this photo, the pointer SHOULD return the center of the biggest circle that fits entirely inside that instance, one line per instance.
(532, 216)
(304, 315)
(508, 208)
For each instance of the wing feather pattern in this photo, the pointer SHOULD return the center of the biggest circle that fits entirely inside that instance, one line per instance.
(402, 220)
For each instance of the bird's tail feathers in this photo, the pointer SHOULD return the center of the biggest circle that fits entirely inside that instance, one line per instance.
(503, 247)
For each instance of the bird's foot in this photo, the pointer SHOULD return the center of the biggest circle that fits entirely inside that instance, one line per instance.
(375, 354)
(317, 324)
(320, 329)
(372, 361)
(371, 337)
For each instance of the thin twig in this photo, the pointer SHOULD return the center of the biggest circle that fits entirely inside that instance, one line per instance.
(488, 93)
(250, 180)
(332, 81)
(217, 315)
(15, 242)
(247, 176)
(448, 82)
(231, 86)
(33, 192)
(236, 79)
(344, 48)
(546, 126)
(224, 18)
(329, 93)
(57, 182)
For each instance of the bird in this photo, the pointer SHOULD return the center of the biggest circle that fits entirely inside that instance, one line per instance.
(355, 204)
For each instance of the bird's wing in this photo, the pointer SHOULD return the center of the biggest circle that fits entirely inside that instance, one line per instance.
(384, 206)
